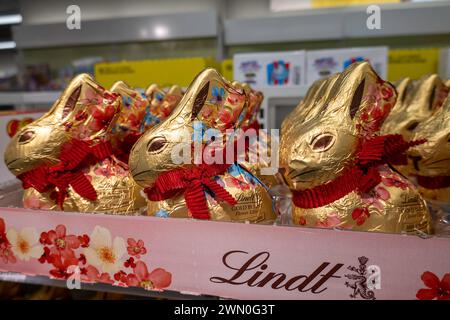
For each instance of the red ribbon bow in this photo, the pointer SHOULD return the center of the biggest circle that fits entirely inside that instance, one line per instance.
(73, 157)
(193, 182)
(361, 177)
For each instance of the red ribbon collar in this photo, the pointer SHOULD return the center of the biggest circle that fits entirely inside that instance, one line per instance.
(74, 156)
(192, 182)
(438, 182)
(361, 177)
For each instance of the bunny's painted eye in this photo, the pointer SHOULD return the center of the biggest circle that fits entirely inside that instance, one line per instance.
(26, 136)
(156, 144)
(322, 142)
(412, 126)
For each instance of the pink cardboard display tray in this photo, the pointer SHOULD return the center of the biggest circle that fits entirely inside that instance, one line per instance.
(229, 260)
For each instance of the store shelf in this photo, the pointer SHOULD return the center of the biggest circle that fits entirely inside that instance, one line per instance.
(29, 98)
(186, 25)
(340, 23)
(131, 291)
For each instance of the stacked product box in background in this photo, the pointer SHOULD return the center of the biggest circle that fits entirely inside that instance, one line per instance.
(270, 69)
(444, 63)
(323, 63)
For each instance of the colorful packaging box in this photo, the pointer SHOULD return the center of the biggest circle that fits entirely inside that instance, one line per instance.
(139, 74)
(412, 62)
(270, 69)
(322, 63)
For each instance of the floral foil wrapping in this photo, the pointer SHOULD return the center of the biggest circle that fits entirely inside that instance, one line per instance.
(128, 127)
(161, 104)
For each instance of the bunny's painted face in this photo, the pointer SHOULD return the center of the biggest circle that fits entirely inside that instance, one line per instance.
(433, 157)
(211, 100)
(84, 111)
(350, 109)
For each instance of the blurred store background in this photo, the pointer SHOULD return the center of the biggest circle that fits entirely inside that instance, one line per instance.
(279, 46)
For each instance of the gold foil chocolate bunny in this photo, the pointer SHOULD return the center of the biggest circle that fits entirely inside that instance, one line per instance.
(416, 102)
(430, 161)
(336, 162)
(129, 125)
(65, 159)
(183, 175)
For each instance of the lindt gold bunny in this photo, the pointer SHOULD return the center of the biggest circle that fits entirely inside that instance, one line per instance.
(162, 104)
(336, 163)
(129, 125)
(416, 102)
(197, 187)
(65, 159)
(429, 163)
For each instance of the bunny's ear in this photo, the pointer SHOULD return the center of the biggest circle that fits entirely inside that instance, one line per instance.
(255, 99)
(67, 102)
(134, 104)
(120, 87)
(404, 88)
(429, 95)
(175, 90)
(149, 92)
(128, 94)
(363, 96)
(213, 100)
(88, 111)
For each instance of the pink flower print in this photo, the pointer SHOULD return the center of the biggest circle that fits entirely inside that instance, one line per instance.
(136, 248)
(105, 168)
(32, 201)
(5, 246)
(235, 99)
(157, 279)
(332, 220)
(396, 182)
(92, 97)
(61, 243)
(81, 132)
(92, 274)
(375, 196)
(207, 112)
(236, 183)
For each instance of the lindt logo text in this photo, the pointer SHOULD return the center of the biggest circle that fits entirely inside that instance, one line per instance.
(254, 271)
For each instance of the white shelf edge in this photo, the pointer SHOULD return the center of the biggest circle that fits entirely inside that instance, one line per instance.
(402, 19)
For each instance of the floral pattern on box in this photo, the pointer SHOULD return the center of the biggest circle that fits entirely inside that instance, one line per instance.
(100, 257)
